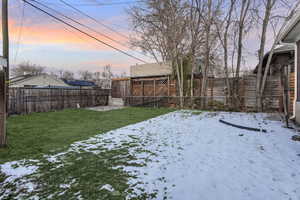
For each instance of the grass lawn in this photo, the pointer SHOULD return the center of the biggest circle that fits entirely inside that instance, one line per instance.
(181, 155)
(31, 136)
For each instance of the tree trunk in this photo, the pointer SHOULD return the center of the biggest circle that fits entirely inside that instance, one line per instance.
(179, 83)
(266, 20)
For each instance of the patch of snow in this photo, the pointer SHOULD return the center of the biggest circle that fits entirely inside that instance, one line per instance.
(195, 157)
(54, 158)
(16, 172)
(108, 188)
(17, 169)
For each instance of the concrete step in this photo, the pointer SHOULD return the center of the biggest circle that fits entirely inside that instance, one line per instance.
(116, 102)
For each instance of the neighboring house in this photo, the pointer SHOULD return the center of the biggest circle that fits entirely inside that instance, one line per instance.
(80, 84)
(150, 70)
(151, 80)
(282, 56)
(291, 35)
(36, 81)
(155, 79)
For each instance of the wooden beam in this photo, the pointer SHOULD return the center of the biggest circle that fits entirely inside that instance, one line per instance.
(5, 44)
(3, 141)
(168, 86)
(298, 72)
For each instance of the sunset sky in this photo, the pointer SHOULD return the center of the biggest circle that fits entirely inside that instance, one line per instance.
(41, 40)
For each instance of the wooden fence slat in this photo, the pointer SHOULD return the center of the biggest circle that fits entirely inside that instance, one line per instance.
(28, 100)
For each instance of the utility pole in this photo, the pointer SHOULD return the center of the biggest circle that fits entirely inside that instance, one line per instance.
(5, 36)
(4, 75)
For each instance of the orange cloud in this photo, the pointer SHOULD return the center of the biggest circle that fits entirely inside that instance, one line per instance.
(58, 34)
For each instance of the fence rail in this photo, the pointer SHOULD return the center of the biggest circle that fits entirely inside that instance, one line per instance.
(162, 91)
(28, 100)
(241, 103)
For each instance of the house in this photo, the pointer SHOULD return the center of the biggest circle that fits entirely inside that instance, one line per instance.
(82, 84)
(291, 35)
(151, 70)
(282, 55)
(152, 79)
(34, 81)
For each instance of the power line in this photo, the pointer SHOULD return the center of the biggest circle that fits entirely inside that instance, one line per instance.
(103, 4)
(83, 32)
(94, 30)
(94, 19)
(100, 23)
(81, 24)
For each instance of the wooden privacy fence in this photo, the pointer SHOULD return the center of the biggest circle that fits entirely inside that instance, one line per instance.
(120, 88)
(28, 100)
(163, 92)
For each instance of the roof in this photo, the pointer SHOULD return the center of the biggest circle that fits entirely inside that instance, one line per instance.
(291, 31)
(80, 83)
(121, 79)
(152, 69)
(41, 80)
(20, 78)
(281, 49)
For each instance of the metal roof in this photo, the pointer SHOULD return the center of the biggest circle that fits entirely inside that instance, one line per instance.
(81, 83)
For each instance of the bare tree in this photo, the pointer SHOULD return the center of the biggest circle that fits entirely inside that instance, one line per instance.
(162, 29)
(223, 30)
(27, 68)
(107, 73)
(196, 37)
(244, 9)
(268, 6)
(86, 75)
(67, 75)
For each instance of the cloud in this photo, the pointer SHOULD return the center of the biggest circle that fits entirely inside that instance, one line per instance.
(59, 34)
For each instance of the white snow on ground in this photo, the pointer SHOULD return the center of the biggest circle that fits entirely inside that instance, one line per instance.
(189, 156)
(107, 187)
(199, 158)
(16, 169)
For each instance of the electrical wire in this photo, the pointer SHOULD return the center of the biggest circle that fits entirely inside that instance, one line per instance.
(89, 28)
(77, 22)
(94, 19)
(103, 4)
(83, 32)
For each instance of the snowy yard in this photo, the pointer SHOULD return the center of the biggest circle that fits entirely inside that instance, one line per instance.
(181, 155)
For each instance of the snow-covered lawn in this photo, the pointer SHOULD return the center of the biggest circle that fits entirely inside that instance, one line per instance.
(181, 155)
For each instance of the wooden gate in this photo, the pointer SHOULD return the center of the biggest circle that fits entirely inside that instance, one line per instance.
(120, 88)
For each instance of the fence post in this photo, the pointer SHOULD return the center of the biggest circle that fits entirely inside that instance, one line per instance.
(168, 90)
(3, 110)
(143, 92)
(154, 85)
